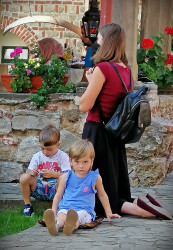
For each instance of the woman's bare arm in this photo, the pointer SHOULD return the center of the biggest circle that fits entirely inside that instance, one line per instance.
(96, 80)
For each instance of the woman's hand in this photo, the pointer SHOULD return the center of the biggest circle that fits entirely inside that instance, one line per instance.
(112, 216)
(89, 74)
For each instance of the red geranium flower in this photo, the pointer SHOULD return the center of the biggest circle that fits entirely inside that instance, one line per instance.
(169, 30)
(169, 59)
(147, 43)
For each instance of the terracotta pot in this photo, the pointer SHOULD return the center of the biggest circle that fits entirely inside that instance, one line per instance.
(6, 79)
(36, 83)
(65, 79)
(35, 80)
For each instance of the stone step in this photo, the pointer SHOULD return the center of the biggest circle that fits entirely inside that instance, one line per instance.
(11, 197)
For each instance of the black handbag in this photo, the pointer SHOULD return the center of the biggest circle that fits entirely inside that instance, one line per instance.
(131, 116)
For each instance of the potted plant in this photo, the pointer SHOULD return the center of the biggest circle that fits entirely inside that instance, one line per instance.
(53, 82)
(155, 64)
(33, 75)
(23, 72)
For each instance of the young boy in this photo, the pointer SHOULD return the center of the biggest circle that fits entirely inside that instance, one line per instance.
(46, 166)
(74, 200)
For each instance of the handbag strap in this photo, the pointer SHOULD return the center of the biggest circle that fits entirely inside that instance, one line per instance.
(122, 79)
(98, 99)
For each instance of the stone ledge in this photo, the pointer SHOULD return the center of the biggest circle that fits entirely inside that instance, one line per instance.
(37, 204)
(11, 197)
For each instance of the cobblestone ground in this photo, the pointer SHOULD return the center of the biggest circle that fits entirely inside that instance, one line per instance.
(129, 232)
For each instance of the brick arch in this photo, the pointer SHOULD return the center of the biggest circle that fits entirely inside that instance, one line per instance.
(22, 31)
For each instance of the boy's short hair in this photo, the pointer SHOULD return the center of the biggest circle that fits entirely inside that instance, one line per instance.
(49, 135)
(80, 149)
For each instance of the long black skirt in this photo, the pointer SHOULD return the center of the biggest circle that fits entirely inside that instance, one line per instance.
(110, 159)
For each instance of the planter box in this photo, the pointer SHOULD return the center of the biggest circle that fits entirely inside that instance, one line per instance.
(35, 80)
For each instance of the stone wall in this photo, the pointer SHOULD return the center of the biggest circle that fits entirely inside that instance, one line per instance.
(149, 160)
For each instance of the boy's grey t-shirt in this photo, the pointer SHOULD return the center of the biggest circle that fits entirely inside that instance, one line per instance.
(59, 162)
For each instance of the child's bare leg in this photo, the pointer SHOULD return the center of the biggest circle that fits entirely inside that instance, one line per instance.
(134, 209)
(27, 185)
(60, 220)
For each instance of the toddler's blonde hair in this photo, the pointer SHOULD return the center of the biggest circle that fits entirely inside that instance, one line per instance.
(80, 149)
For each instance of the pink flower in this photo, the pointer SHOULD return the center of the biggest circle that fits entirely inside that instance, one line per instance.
(85, 189)
(18, 50)
(13, 65)
(12, 54)
(28, 71)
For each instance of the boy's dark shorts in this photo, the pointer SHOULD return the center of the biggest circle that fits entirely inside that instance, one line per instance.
(44, 190)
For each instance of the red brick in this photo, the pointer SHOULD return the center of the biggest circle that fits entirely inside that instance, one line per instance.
(23, 33)
(68, 2)
(56, 8)
(8, 115)
(169, 129)
(9, 141)
(77, 9)
(59, 29)
(78, 3)
(51, 108)
(43, 28)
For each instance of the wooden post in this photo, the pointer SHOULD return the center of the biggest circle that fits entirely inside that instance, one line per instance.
(125, 13)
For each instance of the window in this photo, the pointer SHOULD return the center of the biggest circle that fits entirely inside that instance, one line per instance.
(6, 50)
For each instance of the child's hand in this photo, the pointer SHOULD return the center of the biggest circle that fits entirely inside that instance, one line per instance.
(34, 172)
(47, 173)
(112, 216)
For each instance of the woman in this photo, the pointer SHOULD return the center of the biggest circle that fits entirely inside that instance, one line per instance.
(110, 156)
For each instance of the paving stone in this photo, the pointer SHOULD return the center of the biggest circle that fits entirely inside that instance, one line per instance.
(128, 232)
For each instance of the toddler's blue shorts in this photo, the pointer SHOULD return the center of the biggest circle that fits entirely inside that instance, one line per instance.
(45, 192)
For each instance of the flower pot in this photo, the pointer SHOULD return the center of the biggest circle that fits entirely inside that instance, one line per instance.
(65, 79)
(6, 79)
(36, 83)
(35, 80)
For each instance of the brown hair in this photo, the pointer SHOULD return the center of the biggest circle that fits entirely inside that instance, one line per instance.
(49, 135)
(113, 47)
(80, 149)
